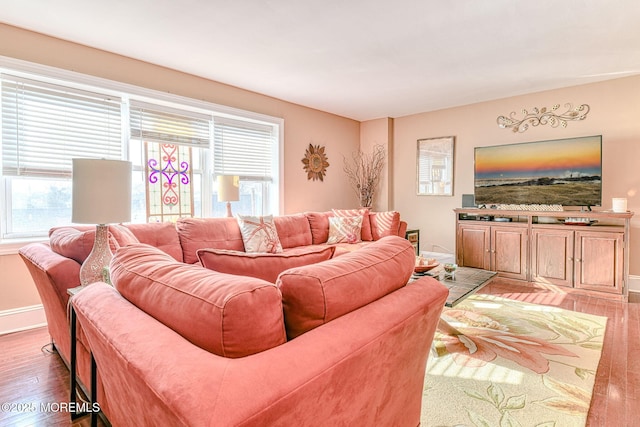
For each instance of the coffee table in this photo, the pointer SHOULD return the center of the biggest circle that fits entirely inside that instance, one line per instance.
(465, 282)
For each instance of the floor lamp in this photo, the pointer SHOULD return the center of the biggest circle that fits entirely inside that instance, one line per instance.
(228, 190)
(101, 195)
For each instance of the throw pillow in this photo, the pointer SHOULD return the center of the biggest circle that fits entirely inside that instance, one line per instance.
(384, 224)
(259, 234)
(344, 230)
(263, 266)
(366, 224)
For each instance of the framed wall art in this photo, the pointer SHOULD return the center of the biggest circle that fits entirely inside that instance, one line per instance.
(435, 166)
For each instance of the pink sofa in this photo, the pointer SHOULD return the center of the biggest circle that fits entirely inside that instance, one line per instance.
(340, 342)
(55, 266)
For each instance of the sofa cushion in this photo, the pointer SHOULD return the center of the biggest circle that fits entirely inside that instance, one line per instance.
(71, 242)
(293, 230)
(201, 233)
(344, 229)
(123, 235)
(366, 224)
(345, 248)
(319, 224)
(77, 242)
(262, 265)
(384, 224)
(316, 294)
(162, 235)
(231, 316)
(259, 234)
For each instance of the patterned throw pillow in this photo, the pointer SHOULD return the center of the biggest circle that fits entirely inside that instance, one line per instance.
(364, 213)
(344, 229)
(259, 234)
(384, 224)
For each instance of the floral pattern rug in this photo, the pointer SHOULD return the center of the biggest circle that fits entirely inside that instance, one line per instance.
(499, 362)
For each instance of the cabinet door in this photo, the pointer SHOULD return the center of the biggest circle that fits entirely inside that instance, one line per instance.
(552, 256)
(472, 246)
(509, 251)
(599, 261)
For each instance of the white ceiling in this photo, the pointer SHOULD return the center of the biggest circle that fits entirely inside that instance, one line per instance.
(362, 59)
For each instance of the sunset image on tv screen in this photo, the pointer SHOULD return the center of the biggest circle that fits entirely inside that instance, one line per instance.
(567, 172)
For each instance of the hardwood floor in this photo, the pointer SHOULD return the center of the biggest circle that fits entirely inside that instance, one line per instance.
(616, 393)
(31, 374)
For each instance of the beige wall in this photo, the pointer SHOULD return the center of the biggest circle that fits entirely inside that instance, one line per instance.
(615, 114)
(302, 126)
(380, 132)
(16, 287)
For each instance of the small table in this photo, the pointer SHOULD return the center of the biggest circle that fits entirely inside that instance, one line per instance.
(465, 282)
(72, 368)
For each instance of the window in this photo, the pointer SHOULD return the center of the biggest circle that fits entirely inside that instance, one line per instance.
(43, 127)
(174, 144)
(235, 142)
(177, 146)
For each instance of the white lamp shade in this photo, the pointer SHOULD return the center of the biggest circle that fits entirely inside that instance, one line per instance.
(101, 191)
(228, 188)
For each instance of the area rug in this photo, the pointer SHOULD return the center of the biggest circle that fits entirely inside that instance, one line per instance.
(499, 362)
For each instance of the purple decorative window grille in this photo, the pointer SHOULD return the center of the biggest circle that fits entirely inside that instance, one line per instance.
(169, 182)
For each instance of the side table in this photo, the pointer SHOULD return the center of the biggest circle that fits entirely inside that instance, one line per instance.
(413, 236)
(73, 397)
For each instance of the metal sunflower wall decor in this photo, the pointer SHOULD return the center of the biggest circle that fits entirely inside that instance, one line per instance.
(315, 162)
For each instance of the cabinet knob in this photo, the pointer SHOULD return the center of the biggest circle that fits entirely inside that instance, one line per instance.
(579, 259)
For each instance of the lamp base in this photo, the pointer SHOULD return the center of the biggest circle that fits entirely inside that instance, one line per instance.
(229, 209)
(99, 258)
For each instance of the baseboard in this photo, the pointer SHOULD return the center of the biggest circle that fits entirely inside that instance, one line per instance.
(21, 319)
(634, 283)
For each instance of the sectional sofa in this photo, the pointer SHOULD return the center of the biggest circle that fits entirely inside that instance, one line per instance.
(257, 378)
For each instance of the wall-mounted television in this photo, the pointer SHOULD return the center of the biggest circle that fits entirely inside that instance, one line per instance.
(565, 172)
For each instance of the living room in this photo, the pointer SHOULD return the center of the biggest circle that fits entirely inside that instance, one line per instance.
(615, 105)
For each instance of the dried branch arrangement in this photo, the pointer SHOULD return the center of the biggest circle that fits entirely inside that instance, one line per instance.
(364, 170)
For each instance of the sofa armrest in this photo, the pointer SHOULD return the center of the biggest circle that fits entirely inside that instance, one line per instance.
(374, 358)
(402, 230)
(53, 274)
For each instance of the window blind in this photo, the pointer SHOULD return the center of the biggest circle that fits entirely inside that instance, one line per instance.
(157, 123)
(244, 148)
(45, 125)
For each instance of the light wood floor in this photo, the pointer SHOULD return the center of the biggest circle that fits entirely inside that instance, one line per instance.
(31, 374)
(616, 393)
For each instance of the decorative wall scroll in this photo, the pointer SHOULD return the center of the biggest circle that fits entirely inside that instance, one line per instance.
(543, 116)
(435, 166)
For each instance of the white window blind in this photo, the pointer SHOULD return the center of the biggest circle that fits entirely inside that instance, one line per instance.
(44, 126)
(157, 123)
(244, 148)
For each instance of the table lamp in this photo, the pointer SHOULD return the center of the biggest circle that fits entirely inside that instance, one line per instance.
(101, 195)
(228, 190)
